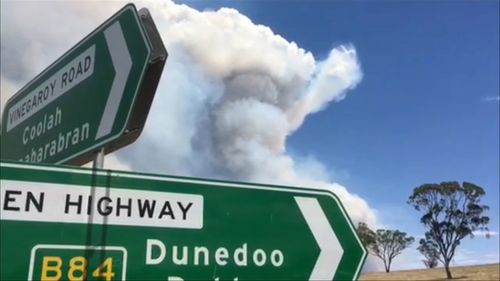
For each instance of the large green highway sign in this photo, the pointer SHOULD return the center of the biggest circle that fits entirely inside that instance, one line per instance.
(96, 95)
(73, 223)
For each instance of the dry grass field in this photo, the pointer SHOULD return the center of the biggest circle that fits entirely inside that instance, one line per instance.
(477, 272)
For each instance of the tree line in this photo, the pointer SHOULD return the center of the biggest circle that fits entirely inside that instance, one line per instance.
(450, 212)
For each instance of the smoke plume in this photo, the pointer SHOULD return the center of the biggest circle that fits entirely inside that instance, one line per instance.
(231, 93)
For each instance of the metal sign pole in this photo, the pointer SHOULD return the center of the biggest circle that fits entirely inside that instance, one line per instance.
(99, 159)
(97, 164)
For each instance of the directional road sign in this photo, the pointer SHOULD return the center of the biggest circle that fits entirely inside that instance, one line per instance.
(96, 95)
(72, 222)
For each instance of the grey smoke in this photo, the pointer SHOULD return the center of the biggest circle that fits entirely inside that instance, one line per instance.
(231, 93)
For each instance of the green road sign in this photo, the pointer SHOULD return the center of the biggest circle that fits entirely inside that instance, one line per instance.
(90, 97)
(59, 222)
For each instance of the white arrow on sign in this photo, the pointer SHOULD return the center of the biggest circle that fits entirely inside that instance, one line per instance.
(330, 249)
(122, 63)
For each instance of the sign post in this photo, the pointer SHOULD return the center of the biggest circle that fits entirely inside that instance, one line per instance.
(96, 95)
(148, 227)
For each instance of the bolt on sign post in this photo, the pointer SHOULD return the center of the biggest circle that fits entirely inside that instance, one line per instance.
(146, 227)
(98, 94)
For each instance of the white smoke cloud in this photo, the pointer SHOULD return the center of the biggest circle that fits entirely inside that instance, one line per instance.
(491, 99)
(332, 78)
(7, 86)
(231, 93)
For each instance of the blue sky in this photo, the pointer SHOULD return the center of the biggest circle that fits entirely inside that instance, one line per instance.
(426, 111)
